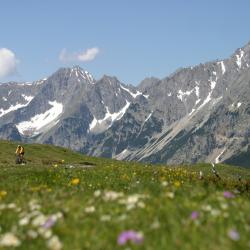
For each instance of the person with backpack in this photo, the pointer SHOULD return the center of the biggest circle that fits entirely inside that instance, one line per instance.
(19, 155)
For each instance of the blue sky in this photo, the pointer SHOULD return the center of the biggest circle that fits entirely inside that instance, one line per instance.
(132, 39)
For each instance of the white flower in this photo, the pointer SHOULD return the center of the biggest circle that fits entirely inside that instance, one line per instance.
(141, 204)
(132, 199)
(155, 224)
(105, 217)
(24, 221)
(3, 206)
(33, 205)
(90, 209)
(224, 206)
(207, 208)
(97, 193)
(122, 217)
(9, 240)
(32, 234)
(54, 243)
(58, 215)
(45, 233)
(11, 206)
(130, 206)
(215, 212)
(164, 183)
(170, 195)
(111, 195)
(39, 220)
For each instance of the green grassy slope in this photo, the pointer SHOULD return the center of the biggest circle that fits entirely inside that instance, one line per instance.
(64, 200)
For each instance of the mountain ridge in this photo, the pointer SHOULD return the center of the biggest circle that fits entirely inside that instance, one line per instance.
(159, 121)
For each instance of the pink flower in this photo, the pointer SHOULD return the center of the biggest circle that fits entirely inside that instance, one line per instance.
(130, 235)
(233, 235)
(194, 215)
(228, 195)
(50, 222)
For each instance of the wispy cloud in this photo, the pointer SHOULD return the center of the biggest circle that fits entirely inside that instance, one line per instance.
(8, 62)
(84, 56)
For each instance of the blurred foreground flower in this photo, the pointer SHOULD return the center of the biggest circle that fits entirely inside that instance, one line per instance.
(170, 195)
(90, 209)
(130, 235)
(3, 193)
(9, 240)
(75, 181)
(233, 235)
(54, 243)
(97, 193)
(177, 184)
(112, 195)
(194, 215)
(50, 222)
(228, 195)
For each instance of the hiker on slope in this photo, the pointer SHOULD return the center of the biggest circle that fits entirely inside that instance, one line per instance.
(19, 154)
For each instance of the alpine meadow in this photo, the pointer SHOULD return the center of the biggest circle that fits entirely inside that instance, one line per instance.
(125, 125)
(64, 200)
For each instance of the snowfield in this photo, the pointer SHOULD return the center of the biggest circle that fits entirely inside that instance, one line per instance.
(38, 122)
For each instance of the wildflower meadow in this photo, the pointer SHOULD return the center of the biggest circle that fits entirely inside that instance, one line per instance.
(64, 200)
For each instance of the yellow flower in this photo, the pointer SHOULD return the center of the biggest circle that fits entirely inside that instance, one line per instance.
(62, 161)
(55, 165)
(177, 184)
(3, 193)
(75, 181)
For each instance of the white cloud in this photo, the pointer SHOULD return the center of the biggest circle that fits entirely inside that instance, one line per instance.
(8, 62)
(85, 56)
(88, 55)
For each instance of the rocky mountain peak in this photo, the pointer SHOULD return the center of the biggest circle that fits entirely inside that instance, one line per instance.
(198, 113)
(73, 74)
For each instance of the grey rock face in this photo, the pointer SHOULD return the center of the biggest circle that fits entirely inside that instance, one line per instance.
(10, 132)
(200, 113)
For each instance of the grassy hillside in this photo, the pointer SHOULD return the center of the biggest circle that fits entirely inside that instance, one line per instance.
(64, 200)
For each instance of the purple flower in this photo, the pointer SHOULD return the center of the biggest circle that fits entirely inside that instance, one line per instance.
(50, 222)
(233, 235)
(228, 195)
(130, 235)
(194, 215)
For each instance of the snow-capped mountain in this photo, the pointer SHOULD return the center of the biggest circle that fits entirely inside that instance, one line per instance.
(199, 113)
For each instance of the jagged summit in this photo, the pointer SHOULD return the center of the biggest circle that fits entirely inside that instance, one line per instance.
(76, 73)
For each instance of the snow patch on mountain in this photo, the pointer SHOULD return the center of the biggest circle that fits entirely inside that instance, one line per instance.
(223, 68)
(217, 159)
(17, 106)
(239, 58)
(41, 81)
(28, 98)
(108, 119)
(11, 108)
(181, 95)
(35, 125)
(82, 74)
(134, 95)
(197, 91)
(148, 117)
(208, 98)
